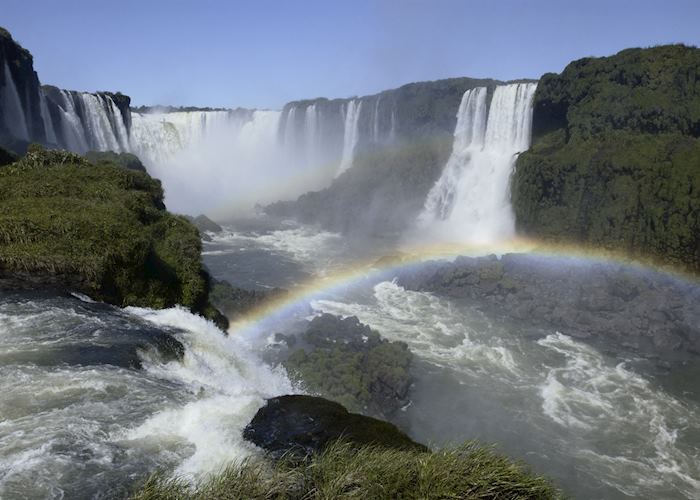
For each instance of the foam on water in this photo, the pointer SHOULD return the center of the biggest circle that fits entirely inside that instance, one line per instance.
(76, 429)
(230, 381)
(579, 405)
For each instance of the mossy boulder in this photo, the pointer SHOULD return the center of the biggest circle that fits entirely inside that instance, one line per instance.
(348, 362)
(304, 425)
(97, 229)
(615, 158)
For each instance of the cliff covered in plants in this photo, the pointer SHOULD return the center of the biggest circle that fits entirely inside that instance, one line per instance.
(97, 229)
(615, 157)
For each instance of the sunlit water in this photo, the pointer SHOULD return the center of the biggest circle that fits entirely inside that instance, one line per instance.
(600, 425)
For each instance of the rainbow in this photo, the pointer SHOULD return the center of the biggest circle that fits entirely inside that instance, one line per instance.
(286, 304)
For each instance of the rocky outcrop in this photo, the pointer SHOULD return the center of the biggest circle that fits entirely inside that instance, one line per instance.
(101, 230)
(615, 158)
(618, 307)
(235, 301)
(346, 361)
(205, 225)
(126, 160)
(305, 425)
(20, 96)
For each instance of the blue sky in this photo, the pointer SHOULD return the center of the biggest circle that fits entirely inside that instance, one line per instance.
(263, 53)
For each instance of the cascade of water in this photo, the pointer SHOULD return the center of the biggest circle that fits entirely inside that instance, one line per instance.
(72, 128)
(392, 127)
(375, 120)
(15, 119)
(46, 118)
(311, 133)
(121, 133)
(290, 130)
(97, 122)
(351, 134)
(471, 200)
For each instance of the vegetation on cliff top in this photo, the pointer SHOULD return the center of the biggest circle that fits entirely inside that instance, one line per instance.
(342, 471)
(615, 159)
(99, 229)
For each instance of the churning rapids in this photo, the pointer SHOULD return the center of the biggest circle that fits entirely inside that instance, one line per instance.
(78, 420)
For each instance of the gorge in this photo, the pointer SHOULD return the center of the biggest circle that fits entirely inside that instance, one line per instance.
(512, 262)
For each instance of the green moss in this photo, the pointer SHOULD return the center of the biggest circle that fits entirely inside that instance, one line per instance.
(348, 362)
(615, 160)
(102, 230)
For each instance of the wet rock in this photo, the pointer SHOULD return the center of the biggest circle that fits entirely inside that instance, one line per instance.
(303, 425)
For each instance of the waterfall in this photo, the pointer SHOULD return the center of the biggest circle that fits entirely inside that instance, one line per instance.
(311, 133)
(15, 120)
(375, 120)
(470, 202)
(73, 132)
(215, 160)
(49, 130)
(290, 129)
(351, 134)
(87, 121)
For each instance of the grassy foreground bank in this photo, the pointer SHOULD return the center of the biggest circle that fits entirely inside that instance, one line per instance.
(341, 471)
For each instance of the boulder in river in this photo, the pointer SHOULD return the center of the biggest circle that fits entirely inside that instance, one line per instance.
(303, 425)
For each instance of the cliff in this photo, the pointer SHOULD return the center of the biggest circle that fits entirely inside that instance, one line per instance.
(77, 121)
(21, 120)
(615, 158)
(97, 229)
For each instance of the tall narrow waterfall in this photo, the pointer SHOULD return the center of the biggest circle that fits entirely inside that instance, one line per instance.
(11, 106)
(471, 200)
(351, 135)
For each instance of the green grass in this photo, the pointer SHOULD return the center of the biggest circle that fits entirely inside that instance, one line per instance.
(341, 471)
(99, 229)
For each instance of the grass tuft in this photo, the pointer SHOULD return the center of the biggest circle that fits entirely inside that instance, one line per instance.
(370, 472)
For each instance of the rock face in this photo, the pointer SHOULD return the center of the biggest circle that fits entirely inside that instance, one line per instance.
(20, 97)
(204, 224)
(303, 425)
(615, 158)
(621, 308)
(348, 362)
(97, 229)
(404, 137)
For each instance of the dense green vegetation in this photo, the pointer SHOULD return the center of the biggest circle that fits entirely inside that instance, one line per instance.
(344, 471)
(348, 362)
(99, 229)
(615, 159)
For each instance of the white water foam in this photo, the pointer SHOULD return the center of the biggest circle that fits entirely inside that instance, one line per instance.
(230, 381)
